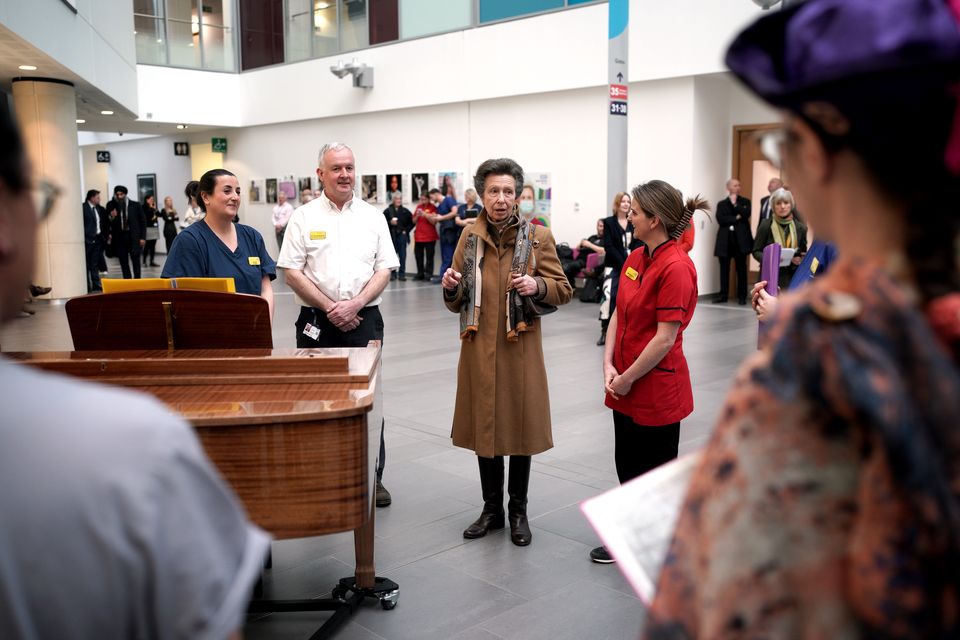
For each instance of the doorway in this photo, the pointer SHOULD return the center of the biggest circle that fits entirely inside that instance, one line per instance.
(753, 171)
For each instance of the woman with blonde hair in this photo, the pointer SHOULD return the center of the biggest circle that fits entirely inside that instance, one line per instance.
(618, 242)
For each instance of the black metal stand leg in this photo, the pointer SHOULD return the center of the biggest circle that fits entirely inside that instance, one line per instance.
(385, 590)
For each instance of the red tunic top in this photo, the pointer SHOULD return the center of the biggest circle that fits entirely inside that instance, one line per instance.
(425, 231)
(686, 238)
(661, 288)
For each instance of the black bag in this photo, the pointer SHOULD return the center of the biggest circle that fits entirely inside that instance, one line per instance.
(564, 252)
(591, 291)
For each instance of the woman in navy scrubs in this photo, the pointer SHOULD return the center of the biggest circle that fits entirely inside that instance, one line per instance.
(645, 374)
(215, 247)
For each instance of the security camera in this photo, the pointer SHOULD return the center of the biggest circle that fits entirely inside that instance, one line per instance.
(766, 4)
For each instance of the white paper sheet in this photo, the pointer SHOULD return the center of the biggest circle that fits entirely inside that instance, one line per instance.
(786, 255)
(635, 521)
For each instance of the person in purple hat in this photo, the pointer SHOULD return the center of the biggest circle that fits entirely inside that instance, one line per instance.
(827, 502)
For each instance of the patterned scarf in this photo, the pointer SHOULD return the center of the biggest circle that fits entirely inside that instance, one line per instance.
(784, 232)
(519, 315)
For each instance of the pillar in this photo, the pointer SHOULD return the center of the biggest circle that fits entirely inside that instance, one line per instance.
(617, 85)
(46, 110)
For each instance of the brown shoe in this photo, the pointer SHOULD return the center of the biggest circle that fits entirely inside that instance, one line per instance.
(383, 496)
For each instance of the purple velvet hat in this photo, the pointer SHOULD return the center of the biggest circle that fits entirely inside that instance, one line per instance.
(874, 61)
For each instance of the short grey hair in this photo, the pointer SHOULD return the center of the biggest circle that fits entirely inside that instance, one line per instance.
(466, 194)
(331, 146)
(499, 167)
(397, 193)
(782, 195)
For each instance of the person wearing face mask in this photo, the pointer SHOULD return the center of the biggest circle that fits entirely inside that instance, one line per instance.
(527, 205)
(502, 407)
(216, 247)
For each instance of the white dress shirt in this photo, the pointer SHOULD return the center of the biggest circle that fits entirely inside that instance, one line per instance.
(339, 251)
(281, 214)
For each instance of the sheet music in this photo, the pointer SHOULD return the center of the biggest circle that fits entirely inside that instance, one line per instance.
(635, 521)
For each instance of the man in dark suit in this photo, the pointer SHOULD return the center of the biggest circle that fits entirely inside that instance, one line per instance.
(400, 221)
(128, 228)
(94, 229)
(734, 240)
(766, 208)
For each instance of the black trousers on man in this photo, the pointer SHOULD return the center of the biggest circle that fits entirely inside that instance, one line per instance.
(94, 253)
(128, 249)
(740, 260)
(371, 328)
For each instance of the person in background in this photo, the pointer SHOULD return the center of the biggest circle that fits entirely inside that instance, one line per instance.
(193, 212)
(826, 503)
(115, 523)
(782, 228)
(306, 195)
(527, 204)
(502, 269)
(645, 374)
(317, 193)
(618, 242)
(734, 241)
(400, 221)
(424, 237)
(280, 217)
(128, 231)
(170, 217)
(93, 217)
(216, 247)
(766, 207)
(449, 231)
(152, 217)
(467, 212)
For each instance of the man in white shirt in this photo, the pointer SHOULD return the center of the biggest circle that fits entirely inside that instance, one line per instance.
(281, 216)
(114, 523)
(337, 258)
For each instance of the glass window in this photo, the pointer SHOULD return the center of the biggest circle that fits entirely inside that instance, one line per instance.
(500, 9)
(353, 25)
(149, 37)
(423, 17)
(183, 33)
(325, 33)
(216, 35)
(296, 41)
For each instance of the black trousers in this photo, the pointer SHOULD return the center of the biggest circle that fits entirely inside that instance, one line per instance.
(641, 448)
(128, 250)
(423, 254)
(93, 254)
(740, 260)
(150, 251)
(371, 328)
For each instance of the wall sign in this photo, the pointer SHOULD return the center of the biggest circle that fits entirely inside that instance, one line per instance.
(219, 145)
(181, 148)
(103, 156)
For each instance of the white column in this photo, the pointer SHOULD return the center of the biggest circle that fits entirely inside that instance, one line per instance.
(46, 111)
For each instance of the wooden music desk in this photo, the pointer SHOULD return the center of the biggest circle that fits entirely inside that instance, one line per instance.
(289, 429)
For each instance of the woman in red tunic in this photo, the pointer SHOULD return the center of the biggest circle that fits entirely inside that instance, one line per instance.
(644, 372)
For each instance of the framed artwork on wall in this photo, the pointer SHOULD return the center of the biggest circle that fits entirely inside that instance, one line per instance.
(289, 187)
(271, 190)
(257, 191)
(146, 185)
(368, 188)
(418, 185)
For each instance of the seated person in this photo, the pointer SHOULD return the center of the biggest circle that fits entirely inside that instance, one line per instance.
(784, 229)
(216, 247)
(115, 524)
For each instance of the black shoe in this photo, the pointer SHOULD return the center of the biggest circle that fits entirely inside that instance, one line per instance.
(39, 291)
(719, 300)
(601, 555)
(518, 484)
(418, 277)
(486, 522)
(154, 264)
(603, 339)
(383, 496)
(742, 301)
(402, 278)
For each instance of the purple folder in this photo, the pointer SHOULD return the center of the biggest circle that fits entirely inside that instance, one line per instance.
(769, 271)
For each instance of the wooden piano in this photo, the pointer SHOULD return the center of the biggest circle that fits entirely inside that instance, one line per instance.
(289, 429)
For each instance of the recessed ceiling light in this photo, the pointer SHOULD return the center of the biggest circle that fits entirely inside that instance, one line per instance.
(27, 67)
(106, 112)
(181, 126)
(81, 121)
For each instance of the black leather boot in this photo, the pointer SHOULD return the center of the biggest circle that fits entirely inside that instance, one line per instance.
(491, 483)
(517, 487)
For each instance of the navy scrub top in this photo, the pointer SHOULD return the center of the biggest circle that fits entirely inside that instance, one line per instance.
(199, 253)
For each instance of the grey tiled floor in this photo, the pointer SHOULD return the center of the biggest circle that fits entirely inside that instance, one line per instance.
(485, 589)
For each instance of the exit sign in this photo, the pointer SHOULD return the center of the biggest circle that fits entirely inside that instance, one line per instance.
(219, 144)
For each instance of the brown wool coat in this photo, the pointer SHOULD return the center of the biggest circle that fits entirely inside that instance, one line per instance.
(503, 407)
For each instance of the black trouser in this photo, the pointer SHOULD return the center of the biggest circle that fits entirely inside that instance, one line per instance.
(150, 251)
(740, 260)
(128, 250)
(370, 328)
(93, 253)
(642, 448)
(400, 241)
(424, 266)
(169, 235)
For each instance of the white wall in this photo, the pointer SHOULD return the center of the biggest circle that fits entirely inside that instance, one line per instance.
(96, 43)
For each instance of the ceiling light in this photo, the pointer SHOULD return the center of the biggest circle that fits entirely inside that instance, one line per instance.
(106, 112)
(181, 126)
(27, 67)
(81, 121)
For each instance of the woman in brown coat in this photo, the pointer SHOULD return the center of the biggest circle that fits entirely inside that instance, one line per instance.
(504, 271)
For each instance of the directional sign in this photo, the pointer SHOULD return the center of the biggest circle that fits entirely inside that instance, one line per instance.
(219, 145)
(618, 92)
(103, 156)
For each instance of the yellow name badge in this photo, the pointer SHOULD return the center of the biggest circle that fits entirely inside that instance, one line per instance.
(632, 273)
(254, 261)
(814, 265)
(318, 235)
